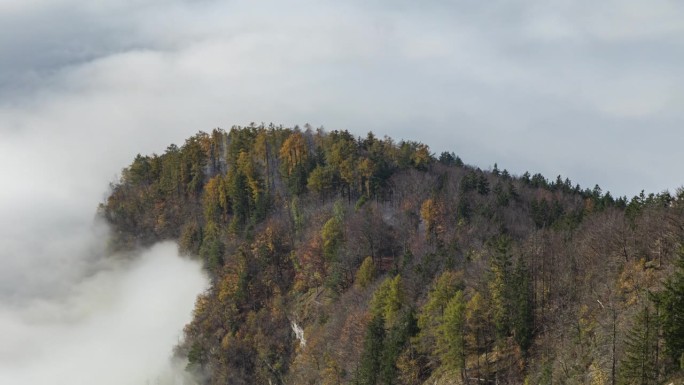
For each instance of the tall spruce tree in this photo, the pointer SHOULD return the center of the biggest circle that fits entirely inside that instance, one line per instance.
(640, 364)
(371, 358)
(500, 287)
(671, 301)
(522, 311)
(451, 341)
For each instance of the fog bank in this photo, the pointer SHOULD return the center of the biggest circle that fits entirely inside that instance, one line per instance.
(70, 314)
(116, 326)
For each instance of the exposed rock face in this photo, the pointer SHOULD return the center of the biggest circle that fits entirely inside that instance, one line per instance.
(299, 333)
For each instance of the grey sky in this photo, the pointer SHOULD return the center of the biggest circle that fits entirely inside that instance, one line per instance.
(584, 89)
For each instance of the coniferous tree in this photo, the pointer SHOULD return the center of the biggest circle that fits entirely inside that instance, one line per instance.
(371, 358)
(396, 339)
(639, 365)
(239, 194)
(366, 272)
(500, 287)
(522, 311)
(451, 343)
(671, 302)
(444, 288)
(447, 158)
(332, 237)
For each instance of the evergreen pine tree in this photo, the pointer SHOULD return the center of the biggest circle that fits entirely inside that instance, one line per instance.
(451, 343)
(373, 344)
(522, 312)
(639, 365)
(671, 302)
(500, 287)
(397, 338)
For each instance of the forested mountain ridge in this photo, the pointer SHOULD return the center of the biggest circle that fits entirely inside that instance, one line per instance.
(405, 268)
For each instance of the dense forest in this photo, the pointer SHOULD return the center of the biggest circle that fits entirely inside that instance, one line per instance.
(337, 259)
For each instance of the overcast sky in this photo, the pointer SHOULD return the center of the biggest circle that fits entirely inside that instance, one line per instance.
(590, 90)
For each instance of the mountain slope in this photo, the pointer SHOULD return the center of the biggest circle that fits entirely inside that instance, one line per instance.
(402, 268)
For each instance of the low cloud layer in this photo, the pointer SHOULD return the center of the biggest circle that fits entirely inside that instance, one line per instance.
(116, 326)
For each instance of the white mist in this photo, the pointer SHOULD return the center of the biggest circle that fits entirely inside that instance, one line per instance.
(116, 326)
